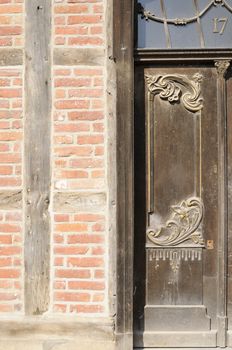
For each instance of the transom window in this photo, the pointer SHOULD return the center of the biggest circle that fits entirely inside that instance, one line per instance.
(178, 24)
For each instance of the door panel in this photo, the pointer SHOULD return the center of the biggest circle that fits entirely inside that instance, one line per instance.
(181, 221)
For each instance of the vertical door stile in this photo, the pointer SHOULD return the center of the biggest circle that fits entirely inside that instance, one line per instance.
(222, 66)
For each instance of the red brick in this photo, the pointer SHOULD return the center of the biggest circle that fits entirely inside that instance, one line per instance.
(97, 174)
(9, 273)
(4, 82)
(73, 174)
(5, 239)
(69, 82)
(10, 250)
(60, 308)
(61, 217)
(91, 139)
(88, 217)
(63, 139)
(98, 251)
(80, 30)
(6, 308)
(74, 150)
(10, 93)
(89, 285)
(75, 227)
(10, 136)
(70, 273)
(71, 9)
(80, 238)
(59, 285)
(10, 30)
(72, 127)
(9, 228)
(6, 284)
(99, 274)
(86, 308)
(85, 93)
(58, 238)
(86, 115)
(4, 148)
(85, 262)
(13, 216)
(72, 104)
(10, 158)
(85, 41)
(5, 262)
(8, 296)
(11, 9)
(84, 19)
(5, 41)
(6, 170)
(70, 250)
(98, 297)
(58, 261)
(87, 163)
(96, 30)
(67, 296)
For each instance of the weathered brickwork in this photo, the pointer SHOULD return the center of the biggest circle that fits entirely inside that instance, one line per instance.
(78, 248)
(78, 23)
(79, 164)
(11, 262)
(11, 23)
(79, 128)
(11, 127)
(79, 263)
(11, 144)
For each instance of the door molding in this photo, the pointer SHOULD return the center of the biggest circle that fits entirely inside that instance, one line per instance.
(124, 57)
(123, 47)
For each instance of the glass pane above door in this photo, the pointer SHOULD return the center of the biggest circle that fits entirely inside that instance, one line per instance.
(184, 24)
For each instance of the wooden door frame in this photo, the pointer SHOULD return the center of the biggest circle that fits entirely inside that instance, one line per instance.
(123, 47)
(123, 55)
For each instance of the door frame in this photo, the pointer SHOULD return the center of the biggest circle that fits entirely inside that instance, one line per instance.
(125, 58)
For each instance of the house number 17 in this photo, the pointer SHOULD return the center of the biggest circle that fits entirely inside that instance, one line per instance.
(219, 25)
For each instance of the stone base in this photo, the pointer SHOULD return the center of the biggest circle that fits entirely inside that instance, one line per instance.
(56, 334)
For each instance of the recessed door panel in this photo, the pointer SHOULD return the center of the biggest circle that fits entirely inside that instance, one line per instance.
(181, 206)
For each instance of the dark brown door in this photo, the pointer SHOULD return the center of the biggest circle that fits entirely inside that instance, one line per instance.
(182, 184)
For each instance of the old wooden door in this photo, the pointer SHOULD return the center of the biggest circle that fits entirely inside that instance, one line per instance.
(183, 155)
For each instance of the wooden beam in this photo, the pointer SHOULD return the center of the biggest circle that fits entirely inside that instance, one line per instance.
(123, 55)
(37, 154)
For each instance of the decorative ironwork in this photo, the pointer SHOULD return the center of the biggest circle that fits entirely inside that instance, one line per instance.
(169, 87)
(181, 21)
(183, 226)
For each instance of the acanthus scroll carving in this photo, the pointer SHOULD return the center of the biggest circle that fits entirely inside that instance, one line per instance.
(222, 66)
(182, 227)
(178, 88)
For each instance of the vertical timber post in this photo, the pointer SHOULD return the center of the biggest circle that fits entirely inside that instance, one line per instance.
(222, 66)
(123, 16)
(37, 170)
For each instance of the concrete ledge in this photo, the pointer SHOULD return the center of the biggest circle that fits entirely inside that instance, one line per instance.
(10, 200)
(99, 328)
(57, 334)
(71, 202)
(11, 57)
(80, 56)
(6, 344)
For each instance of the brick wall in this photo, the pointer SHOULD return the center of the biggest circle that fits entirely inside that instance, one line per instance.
(79, 162)
(11, 148)
(78, 249)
